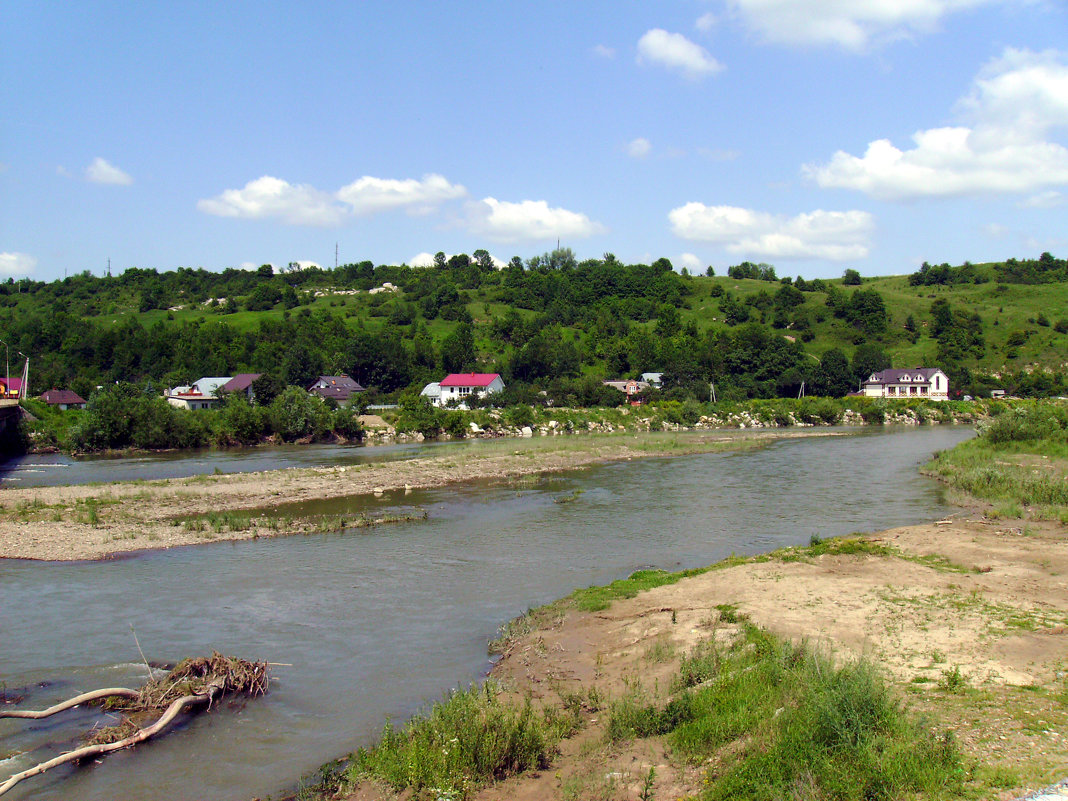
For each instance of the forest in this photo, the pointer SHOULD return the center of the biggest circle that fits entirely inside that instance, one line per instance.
(553, 326)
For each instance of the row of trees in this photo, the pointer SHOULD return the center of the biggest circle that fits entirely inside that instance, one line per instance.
(127, 415)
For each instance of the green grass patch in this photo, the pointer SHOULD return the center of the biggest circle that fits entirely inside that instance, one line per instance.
(775, 720)
(465, 741)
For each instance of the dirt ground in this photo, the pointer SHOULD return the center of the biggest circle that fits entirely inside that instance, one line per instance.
(98, 521)
(987, 599)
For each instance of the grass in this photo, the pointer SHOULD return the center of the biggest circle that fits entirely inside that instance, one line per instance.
(1018, 463)
(775, 720)
(463, 742)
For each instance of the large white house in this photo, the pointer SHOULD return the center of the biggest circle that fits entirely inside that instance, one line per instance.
(461, 386)
(919, 382)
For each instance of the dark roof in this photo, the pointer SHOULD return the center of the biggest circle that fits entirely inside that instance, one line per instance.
(898, 376)
(240, 382)
(338, 387)
(58, 396)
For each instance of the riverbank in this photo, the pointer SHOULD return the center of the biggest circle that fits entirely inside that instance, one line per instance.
(967, 618)
(105, 520)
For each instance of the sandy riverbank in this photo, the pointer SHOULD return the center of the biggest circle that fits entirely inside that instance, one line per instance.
(984, 599)
(104, 520)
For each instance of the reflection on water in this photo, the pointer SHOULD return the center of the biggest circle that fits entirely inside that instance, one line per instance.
(374, 622)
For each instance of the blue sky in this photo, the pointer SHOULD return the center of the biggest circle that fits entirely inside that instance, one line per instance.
(812, 134)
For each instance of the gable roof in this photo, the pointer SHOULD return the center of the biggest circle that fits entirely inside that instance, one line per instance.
(240, 382)
(338, 387)
(469, 379)
(58, 396)
(338, 381)
(13, 383)
(925, 375)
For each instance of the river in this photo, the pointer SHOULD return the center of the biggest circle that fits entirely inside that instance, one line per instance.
(373, 623)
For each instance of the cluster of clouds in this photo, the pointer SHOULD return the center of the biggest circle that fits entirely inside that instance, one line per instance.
(1003, 142)
(497, 220)
(1014, 105)
(833, 235)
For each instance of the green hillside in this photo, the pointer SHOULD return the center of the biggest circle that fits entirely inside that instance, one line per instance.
(550, 319)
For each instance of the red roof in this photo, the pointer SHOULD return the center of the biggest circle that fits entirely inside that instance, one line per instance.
(468, 379)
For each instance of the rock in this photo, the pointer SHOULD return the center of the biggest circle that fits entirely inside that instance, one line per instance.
(526, 431)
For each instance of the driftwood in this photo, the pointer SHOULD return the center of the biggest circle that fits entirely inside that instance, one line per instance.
(192, 683)
(78, 700)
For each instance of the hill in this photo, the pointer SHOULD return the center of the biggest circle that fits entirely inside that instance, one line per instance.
(548, 322)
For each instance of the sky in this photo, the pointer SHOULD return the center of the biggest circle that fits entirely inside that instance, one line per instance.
(815, 135)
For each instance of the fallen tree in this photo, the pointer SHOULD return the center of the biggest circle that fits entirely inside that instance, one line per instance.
(191, 684)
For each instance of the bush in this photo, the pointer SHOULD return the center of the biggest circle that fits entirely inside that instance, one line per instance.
(295, 414)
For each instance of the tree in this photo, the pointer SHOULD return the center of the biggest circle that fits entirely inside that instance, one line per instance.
(834, 378)
(851, 277)
(458, 349)
(301, 367)
(265, 271)
(869, 359)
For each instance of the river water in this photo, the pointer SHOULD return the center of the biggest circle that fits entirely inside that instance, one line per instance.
(373, 623)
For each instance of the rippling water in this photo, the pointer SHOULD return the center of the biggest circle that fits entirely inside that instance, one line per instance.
(375, 622)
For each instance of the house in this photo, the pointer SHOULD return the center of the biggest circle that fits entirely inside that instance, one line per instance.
(63, 399)
(655, 379)
(629, 388)
(242, 382)
(460, 386)
(201, 395)
(918, 382)
(432, 392)
(339, 387)
(10, 387)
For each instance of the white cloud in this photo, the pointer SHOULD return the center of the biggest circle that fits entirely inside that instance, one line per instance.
(851, 24)
(604, 51)
(1014, 103)
(639, 148)
(369, 195)
(690, 262)
(1044, 200)
(17, 263)
(676, 52)
(62, 171)
(269, 197)
(835, 235)
(302, 204)
(101, 172)
(528, 220)
(423, 259)
(995, 230)
(706, 22)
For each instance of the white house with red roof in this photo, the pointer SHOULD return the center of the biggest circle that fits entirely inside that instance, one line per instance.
(919, 382)
(458, 387)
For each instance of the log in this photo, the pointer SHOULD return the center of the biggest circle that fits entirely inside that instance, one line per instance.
(213, 689)
(77, 700)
